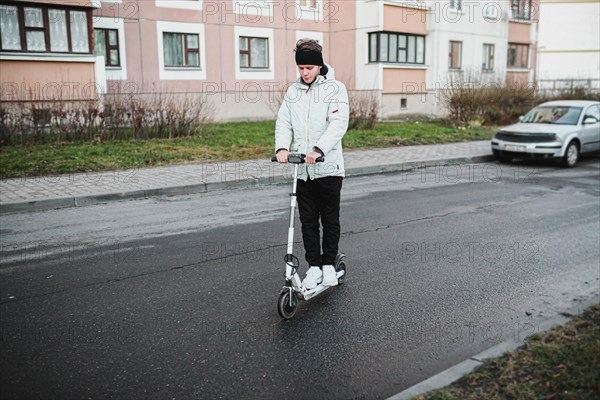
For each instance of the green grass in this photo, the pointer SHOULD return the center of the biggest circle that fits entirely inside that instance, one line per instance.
(560, 364)
(219, 142)
(389, 134)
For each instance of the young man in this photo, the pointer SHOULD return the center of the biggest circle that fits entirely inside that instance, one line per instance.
(312, 120)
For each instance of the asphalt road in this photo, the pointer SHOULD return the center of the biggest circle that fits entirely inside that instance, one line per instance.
(175, 297)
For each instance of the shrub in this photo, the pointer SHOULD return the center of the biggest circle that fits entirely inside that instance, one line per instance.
(364, 110)
(112, 117)
(472, 98)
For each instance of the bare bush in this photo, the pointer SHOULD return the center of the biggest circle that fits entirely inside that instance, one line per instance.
(114, 117)
(364, 109)
(473, 99)
(275, 98)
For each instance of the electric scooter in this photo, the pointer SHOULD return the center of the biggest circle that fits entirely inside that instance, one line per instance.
(292, 291)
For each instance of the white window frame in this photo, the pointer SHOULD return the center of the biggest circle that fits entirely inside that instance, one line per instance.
(115, 73)
(460, 56)
(309, 13)
(456, 5)
(267, 74)
(493, 47)
(184, 4)
(183, 73)
(492, 10)
(255, 8)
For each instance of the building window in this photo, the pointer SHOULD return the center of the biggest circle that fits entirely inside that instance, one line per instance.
(44, 29)
(254, 52)
(106, 44)
(398, 48)
(456, 5)
(455, 55)
(518, 55)
(59, 39)
(9, 21)
(35, 32)
(309, 3)
(181, 49)
(521, 9)
(488, 58)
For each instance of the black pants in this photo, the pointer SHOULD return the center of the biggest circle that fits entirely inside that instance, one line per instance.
(320, 199)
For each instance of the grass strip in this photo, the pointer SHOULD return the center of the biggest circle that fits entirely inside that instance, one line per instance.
(218, 142)
(563, 363)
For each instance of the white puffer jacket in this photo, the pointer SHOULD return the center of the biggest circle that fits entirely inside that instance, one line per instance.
(314, 116)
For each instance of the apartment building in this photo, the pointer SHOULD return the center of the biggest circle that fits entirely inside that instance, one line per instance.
(569, 44)
(46, 51)
(238, 53)
(422, 47)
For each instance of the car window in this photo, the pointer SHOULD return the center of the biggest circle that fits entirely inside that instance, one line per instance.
(561, 115)
(571, 117)
(593, 111)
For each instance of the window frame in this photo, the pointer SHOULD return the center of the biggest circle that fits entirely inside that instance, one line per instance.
(46, 28)
(186, 51)
(408, 36)
(249, 53)
(450, 67)
(109, 47)
(518, 46)
(521, 10)
(491, 58)
(455, 5)
(312, 4)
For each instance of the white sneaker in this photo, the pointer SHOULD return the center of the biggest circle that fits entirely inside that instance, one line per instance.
(329, 276)
(313, 277)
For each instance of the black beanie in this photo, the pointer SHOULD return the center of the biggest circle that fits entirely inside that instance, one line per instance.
(309, 57)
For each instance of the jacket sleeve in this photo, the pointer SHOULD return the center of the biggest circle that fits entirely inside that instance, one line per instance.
(283, 126)
(337, 115)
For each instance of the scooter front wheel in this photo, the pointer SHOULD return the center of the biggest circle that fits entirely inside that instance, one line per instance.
(287, 306)
(340, 265)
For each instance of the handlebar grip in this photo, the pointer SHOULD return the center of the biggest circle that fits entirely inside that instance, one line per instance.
(298, 158)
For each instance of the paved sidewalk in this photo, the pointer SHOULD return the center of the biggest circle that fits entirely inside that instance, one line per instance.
(80, 189)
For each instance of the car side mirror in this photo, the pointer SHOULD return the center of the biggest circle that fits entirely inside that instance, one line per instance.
(521, 118)
(589, 120)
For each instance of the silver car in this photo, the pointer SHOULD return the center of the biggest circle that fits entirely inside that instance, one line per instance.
(554, 130)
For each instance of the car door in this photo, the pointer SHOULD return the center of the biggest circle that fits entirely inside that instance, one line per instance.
(590, 133)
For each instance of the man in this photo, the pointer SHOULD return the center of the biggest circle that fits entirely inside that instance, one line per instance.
(312, 120)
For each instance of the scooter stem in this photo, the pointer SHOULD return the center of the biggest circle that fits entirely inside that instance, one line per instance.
(290, 244)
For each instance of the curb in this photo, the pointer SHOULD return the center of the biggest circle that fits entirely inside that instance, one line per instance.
(203, 187)
(467, 366)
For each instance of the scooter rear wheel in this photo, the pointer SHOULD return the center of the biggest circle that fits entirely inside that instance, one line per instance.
(341, 267)
(286, 310)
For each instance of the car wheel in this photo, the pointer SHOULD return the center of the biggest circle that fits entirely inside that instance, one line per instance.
(571, 155)
(501, 157)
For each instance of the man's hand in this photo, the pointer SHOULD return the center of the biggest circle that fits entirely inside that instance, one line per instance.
(282, 156)
(311, 158)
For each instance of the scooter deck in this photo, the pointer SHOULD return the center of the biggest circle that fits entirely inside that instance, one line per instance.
(308, 294)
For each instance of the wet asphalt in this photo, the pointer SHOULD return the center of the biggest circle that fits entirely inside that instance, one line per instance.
(175, 297)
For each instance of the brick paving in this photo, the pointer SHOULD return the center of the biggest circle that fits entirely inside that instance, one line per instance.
(207, 176)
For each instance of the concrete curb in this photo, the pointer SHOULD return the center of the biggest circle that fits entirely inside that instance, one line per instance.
(463, 368)
(203, 187)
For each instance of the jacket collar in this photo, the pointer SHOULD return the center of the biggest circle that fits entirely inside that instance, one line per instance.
(318, 80)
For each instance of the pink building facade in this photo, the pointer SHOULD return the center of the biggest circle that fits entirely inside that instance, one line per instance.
(239, 53)
(46, 51)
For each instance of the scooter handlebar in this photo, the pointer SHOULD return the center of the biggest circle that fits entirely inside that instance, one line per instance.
(296, 158)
